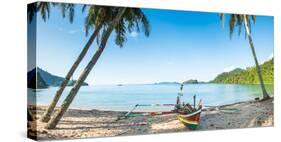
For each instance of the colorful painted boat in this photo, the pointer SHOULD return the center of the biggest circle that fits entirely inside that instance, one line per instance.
(190, 120)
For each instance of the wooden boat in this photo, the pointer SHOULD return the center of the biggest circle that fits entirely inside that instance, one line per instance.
(190, 120)
(187, 114)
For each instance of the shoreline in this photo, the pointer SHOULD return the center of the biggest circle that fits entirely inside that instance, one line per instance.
(83, 123)
(44, 106)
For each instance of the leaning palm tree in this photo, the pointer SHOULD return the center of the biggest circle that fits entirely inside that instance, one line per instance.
(239, 20)
(96, 17)
(125, 19)
(99, 17)
(44, 9)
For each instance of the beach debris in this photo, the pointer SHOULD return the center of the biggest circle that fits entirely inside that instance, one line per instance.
(131, 114)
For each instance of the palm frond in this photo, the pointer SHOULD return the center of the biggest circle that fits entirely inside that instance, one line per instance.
(120, 31)
(84, 8)
(31, 11)
(133, 20)
(221, 15)
(232, 21)
(69, 10)
(237, 20)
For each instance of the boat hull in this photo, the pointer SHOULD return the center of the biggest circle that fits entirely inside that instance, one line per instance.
(190, 120)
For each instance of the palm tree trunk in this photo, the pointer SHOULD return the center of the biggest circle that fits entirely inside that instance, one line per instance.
(47, 115)
(54, 121)
(265, 94)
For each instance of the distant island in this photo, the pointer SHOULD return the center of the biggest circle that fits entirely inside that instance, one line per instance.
(33, 81)
(166, 82)
(248, 75)
(190, 81)
(193, 81)
(242, 76)
(45, 79)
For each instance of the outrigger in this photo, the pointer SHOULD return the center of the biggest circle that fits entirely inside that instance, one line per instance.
(187, 114)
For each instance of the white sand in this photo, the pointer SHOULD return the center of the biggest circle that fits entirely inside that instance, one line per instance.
(94, 123)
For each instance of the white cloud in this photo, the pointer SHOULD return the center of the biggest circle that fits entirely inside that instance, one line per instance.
(134, 34)
(68, 31)
(73, 31)
(228, 69)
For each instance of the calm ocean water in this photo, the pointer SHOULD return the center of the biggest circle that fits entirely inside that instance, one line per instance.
(113, 97)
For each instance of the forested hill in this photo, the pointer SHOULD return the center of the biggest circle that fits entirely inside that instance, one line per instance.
(247, 76)
(45, 79)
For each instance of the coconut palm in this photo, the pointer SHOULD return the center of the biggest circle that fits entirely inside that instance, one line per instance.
(44, 9)
(126, 19)
(96, 17)
(238, 20)
(100, 16)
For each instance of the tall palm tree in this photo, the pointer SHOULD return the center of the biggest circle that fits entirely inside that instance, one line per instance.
(96, 17)
(126, 19)
(99, 16)
(44, 9)
(239, 20)
(54, 121)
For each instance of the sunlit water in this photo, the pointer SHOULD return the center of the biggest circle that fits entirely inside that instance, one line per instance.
(113, 97)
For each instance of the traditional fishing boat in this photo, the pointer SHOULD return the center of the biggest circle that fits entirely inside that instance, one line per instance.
(190, 120)
(187, 114)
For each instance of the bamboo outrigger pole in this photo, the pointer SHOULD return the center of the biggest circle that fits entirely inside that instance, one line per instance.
(194, 101)
(128, 114)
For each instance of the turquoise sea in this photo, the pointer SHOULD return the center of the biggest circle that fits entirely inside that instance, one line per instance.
(114, 97)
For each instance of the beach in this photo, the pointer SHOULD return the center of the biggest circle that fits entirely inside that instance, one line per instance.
(78, 123)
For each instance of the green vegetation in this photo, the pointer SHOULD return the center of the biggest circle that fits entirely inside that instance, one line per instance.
(247, 76)
(44, 79)
(191, 81)
(35, 80)
(54, 80)
(40, 82)
(239, 20)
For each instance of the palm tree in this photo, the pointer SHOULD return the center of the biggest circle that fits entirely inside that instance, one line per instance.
(239, 20)
(95, 17)
(99, 16)
(125, 19)
(44, 9)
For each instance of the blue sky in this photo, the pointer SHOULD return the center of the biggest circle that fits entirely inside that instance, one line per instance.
(182, 45)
